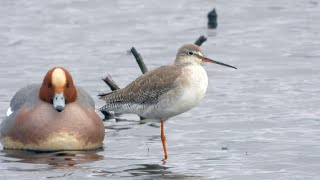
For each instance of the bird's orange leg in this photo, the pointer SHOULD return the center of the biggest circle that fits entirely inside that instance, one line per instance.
(163, 139)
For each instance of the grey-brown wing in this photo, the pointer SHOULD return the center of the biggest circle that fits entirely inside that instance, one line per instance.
(147, 88)
(28, 96)
(84, 98)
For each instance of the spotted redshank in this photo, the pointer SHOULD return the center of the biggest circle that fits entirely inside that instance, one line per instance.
(166, 91)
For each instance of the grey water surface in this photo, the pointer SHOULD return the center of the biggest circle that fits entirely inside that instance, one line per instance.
(261, 121)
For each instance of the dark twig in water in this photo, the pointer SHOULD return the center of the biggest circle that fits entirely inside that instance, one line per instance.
(200, 40)
(139, 60)
(225, 147)
(107, 114)
(212, 19)
(110, 82)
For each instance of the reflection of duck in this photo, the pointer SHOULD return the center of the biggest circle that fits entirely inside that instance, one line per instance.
(53, 116)
(61, 158)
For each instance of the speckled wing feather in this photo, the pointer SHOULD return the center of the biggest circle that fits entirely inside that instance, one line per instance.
(144, 90)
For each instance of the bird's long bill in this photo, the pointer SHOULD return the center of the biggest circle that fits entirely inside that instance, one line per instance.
(204, 59)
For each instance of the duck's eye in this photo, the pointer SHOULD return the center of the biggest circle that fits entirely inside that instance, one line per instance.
(190, 53)
(49, 85)
(68, 85)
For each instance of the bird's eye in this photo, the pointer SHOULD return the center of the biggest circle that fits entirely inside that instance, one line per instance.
(190, 53)
(49, 85)
(68, 85)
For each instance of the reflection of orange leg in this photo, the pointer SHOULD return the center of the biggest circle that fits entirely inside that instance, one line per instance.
(163, 139)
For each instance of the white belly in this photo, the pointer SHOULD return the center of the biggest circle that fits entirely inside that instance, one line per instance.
(191, 88)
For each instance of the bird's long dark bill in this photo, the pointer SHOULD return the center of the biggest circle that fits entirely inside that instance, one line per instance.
(204, 59)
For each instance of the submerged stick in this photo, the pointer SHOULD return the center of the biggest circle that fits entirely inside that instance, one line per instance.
(139, 60)
(212, 19)
(110, 82)
(200, 40)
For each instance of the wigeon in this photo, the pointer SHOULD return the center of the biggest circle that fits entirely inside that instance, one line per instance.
(55, 115)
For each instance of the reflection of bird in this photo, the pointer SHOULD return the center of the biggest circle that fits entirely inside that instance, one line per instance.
(56, 115)
(166, 91)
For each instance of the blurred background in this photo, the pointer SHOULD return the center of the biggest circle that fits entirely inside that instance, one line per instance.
(259, 122)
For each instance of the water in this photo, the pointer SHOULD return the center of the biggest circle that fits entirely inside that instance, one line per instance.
(259, 122)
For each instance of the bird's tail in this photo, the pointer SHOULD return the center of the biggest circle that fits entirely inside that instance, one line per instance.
(104, 95)
(112, 99)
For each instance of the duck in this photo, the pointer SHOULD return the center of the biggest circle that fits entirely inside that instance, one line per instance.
(53, 116)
